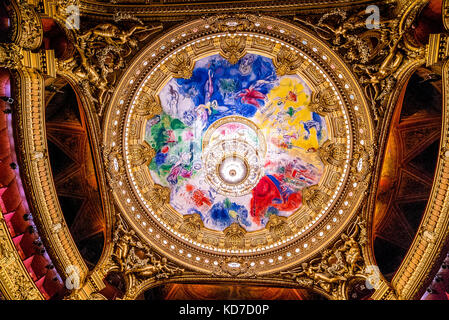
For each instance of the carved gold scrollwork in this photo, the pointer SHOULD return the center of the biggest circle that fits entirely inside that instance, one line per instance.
(113, 163)
(158, 196)
(361, 163)
(278, 227)
(63, 7)
(445, 10)
(332, 153)
(101, 53)
(144, 264)
(376, 56)
(323, 102)
(122, 239)
(335, 267)
(192, 225)
(259, 241)
(233, 48)
(15, 282)
(141, 154)
(97, 296)
(287, 61)
(10, 56)
(314, 198)
(233, 267)
(149, 105)
(210, 240)
(136, 261)
(26, 26)
(29, 109)
(234, 236)
(181, 65)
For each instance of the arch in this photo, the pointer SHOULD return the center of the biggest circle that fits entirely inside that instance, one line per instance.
(73, 167)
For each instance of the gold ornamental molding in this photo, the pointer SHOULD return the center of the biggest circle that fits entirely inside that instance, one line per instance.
(15, 281)
(100, 53)
(27, 31)
(417, 269)
(170, 12)
(28, 65)
(146, 260)
(379, 68)
(37, 175)
(336, 266)
(10, 56)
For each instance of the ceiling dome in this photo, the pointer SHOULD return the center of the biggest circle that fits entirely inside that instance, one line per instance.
(249, 142)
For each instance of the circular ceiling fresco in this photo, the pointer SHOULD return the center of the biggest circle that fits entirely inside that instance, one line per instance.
(238, 145)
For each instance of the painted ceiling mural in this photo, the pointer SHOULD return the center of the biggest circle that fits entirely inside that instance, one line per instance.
(236, 142)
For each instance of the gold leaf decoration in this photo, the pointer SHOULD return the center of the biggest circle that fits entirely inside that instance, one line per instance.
(181, 65)
(286, 62)
(234, 236)
(332, 153)
(233, 48)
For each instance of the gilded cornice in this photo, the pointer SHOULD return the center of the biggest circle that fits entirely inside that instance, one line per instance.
(176, 11)
(15, 281)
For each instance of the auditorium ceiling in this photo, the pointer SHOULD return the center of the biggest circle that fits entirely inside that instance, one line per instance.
(170, 150)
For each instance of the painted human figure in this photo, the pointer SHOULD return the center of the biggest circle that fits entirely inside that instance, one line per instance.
(173, 102)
